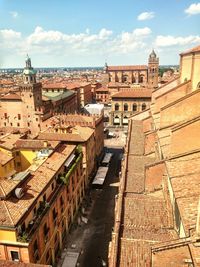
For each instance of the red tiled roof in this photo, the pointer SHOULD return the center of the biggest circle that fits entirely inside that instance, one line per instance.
(102, 89)
(134, 93)
(54, 86)
(20, 264)
(131, 67)
(4, 158)
(34, 144)
(11, 96)
(192, 50)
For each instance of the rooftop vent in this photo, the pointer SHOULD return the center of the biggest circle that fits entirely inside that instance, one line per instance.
(19, 192)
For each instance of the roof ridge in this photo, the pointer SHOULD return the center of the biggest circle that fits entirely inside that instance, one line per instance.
(9, 214)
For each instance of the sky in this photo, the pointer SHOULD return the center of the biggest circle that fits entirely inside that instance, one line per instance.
(78, 33)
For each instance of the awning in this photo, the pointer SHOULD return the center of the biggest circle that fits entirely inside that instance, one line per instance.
(125, 120)
(69, 160)
(116, 120)
(100, 176)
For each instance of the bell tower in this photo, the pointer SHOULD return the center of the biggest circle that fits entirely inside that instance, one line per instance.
(31, 90)
(29, 74)
(153, 68)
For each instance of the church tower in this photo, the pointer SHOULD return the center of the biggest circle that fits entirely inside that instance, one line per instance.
(153, 68)
(31, 90)
(105, 75)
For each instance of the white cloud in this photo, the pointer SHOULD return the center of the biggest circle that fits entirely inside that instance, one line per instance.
(142, 32)
(14, 14)
(8, 34)
(193, 9)
(146, 16)
(166, 41)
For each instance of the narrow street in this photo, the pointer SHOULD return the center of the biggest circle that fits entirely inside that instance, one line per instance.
(91, 240)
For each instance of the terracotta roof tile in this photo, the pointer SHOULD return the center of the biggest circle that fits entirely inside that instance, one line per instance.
(34, 144)
(131, 67)
(4, 158)
(13, 208)
(11, 96)
(134, 93)
(20, 264)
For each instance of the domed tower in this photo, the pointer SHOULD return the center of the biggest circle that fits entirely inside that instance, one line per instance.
(31, 90)
(153, 68)
(29, 74)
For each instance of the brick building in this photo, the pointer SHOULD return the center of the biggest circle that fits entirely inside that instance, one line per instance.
(126, 103)
(28, 107)
(135, 74)
(38, 205)
(86, 130)
(157, 209)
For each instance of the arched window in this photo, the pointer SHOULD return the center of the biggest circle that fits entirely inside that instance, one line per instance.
(125, 107)
(133, 79)
(116, 107)
(141, 79)
(124, 78)
(134, 107)
(144, 106)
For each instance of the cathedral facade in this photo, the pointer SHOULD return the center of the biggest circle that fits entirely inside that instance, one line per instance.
(144, 75)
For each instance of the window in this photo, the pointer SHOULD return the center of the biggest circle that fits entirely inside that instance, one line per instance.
(134, 107)
(54, 213)
(52, 186)
(144, 106)
(141, 79)
(125, 107)
(28, 124)
(5, 115)
(18, 124)
(14, 255)
(35, 246)
(19, 116)
(61, 201)
(45, 230)
(35, 210)
(116, 107)
(44, 198)
(198, 85)
(4, 123)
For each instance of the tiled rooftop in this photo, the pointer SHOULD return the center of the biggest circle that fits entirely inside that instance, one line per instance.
(77, 134)
(4, 158)
(35, 144)
(134, 93)
(12, 208)
(131, 67)
(8, 141)
(20, 264)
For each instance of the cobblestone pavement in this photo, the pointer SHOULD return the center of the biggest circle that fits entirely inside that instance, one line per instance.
(91, 240)
(119, 139)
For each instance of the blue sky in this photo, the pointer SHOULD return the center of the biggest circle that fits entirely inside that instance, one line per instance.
(88, 32)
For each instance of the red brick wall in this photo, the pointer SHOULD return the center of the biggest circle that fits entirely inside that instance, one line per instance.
(154, 176)
(186, 138)
(172, 95)
(185, 109)
(150, 142)
(147, 124)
